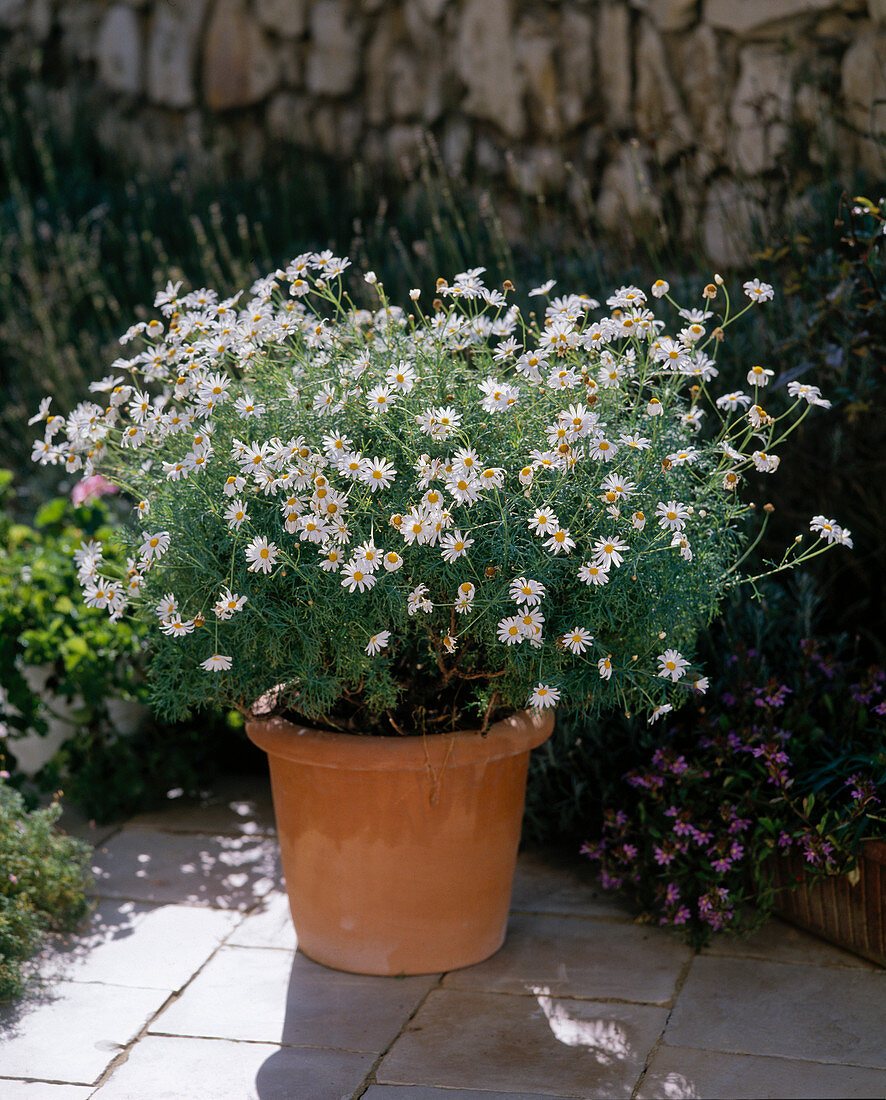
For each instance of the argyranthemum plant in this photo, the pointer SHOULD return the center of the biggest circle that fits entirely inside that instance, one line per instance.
(394, 521)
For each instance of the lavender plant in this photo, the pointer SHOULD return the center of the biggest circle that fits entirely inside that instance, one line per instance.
(392, 521)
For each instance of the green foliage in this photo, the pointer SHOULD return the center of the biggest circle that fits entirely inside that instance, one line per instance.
(43, 879)
(297, 431)
(45, 625)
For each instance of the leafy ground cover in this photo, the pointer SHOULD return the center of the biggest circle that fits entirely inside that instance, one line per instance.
(43, 879)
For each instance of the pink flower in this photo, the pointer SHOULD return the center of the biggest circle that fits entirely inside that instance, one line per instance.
(91, 488)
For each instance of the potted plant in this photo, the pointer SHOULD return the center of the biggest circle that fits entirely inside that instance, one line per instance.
(395, 541)
(765, 796)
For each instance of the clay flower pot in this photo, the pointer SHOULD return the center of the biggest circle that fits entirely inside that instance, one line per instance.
(399, 852)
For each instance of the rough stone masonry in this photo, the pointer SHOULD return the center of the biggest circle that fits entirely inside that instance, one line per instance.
(722, 111)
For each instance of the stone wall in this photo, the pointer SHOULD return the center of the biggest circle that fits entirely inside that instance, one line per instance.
(715, 112)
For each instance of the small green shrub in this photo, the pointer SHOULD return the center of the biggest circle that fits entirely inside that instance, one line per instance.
(87, 661)
(43, 879)
(44, 624)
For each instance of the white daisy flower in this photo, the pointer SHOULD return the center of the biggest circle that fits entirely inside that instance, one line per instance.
(331, 558)
(635, 442)
(154, 546)
(616, 488)
(759, 376)
(602, 450)
(733, 401)
(465, 488)
(544, 696)
(377, 473)
(660, 287)
(591, 573)
(577, 640)
(378, 642)
(683, 458)
(655, 407)
(356, 576)
(228, 604)
(392, 561)
(682, 543)
(604, 667)
(176, 627)
(608, 551)
(671, 516)
(672, 664)
(466, 461)
(380, 398)
(261, 555)
(560, 541)
(466, 590)
(455, 545)
(525, 590)
(450, 643)
(543, 522)
(167, 607)
(493, 477)
(509, 630)
(235, 514)
(812, 394)
(234, 485)
(659, 712)
(766, 463)
(402, 377)
(531, 621)
(827, 529)
(757, 291)
(218, 662)
(417, 600)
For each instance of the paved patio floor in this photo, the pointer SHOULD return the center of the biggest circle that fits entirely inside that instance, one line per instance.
(187, 986)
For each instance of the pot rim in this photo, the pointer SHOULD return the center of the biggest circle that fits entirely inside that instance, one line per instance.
(518, 733)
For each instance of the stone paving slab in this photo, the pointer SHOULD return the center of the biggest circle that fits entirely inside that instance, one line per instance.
(132, 943)
(547, 882)
(269, 926)
(223, 872)
(41, 1090)
(253, 993)
(428, 1092)
(781, 942)
(71, 1031)
(236, 806)
(676, 1072)
(604, 960)
(214, 1069)
(499, 1042)
(783, 1010)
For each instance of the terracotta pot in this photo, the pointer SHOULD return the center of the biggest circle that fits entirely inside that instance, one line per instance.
(848, 910)
(399, 852)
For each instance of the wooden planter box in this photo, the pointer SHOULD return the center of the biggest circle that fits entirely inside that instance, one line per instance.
(850, 914)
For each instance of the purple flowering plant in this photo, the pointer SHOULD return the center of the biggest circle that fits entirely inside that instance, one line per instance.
(771, 764)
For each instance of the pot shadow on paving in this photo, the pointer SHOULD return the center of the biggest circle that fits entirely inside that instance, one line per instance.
(335, 1026)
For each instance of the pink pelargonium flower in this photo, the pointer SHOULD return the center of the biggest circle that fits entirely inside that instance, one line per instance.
(91, 488)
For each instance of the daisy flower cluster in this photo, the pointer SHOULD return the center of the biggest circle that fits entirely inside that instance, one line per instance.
(455, 501)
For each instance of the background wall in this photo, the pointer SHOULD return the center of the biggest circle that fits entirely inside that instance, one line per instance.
(704, 116)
